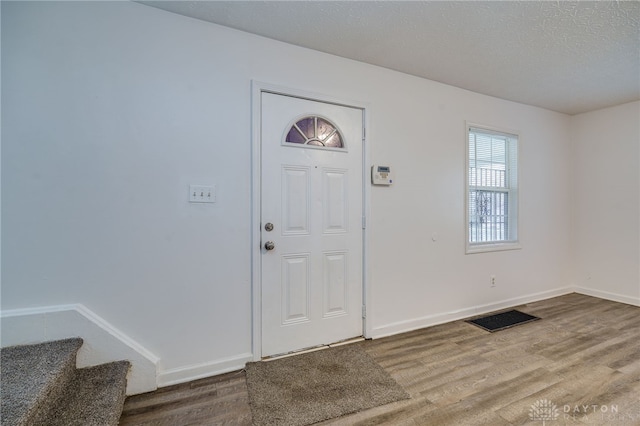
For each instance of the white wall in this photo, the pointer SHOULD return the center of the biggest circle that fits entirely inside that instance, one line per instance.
(110, 110)
(606, 217)
(419, 128)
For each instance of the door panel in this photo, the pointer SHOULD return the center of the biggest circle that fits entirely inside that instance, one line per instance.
(312, 278)
(295, 288)
(336, 218)
(295, 200)
(335, 287)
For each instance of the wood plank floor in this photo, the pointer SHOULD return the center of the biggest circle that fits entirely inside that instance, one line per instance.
(583, 357)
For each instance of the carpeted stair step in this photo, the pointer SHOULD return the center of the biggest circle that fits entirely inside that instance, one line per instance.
(95, 397)
(32, 377)
(40, 385)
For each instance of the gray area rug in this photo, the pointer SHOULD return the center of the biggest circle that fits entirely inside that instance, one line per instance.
(308, 388)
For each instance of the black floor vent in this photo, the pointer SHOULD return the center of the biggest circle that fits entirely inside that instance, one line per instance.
(497, 322)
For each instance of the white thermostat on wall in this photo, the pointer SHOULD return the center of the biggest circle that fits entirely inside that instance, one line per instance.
(381, 175)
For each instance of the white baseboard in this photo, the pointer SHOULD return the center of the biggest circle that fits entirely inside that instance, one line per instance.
(444, 317)
(608, 296)
(105, 343)
(199, 371)
(102, 342)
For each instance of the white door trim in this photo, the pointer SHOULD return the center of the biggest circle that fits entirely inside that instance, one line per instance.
(257, 88)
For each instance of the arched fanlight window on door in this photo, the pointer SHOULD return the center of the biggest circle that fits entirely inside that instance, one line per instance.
(315, 131)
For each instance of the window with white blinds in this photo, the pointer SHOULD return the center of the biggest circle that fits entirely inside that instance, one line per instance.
(492, 190)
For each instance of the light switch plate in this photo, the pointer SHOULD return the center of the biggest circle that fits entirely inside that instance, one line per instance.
(202, 193)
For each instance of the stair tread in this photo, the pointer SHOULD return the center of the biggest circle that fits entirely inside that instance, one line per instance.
(95, 396)
(32, 375)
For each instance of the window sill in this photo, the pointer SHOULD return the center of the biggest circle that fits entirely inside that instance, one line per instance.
(486, 248)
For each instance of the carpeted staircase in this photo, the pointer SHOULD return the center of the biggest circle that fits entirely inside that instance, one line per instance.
(40, 385)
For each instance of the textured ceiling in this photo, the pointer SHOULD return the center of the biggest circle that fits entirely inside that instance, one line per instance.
(570, 57)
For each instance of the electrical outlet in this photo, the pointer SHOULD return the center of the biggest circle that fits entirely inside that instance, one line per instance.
(492, 279)
(202, 194)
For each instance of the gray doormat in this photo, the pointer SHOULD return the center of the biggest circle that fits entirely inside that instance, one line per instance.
(502, 320)
(308, 388)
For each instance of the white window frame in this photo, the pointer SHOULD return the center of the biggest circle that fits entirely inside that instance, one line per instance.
(514, 195)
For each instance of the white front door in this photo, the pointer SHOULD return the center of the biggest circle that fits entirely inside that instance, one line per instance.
(311, 223)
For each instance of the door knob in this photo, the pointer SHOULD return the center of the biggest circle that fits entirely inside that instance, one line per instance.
(269, 245)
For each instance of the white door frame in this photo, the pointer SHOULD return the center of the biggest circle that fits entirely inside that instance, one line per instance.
(257, 88)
